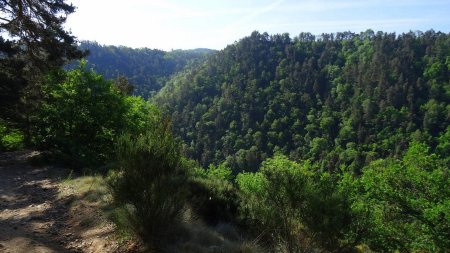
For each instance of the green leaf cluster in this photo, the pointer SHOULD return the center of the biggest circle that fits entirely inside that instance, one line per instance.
(82, 114)
(10, 138)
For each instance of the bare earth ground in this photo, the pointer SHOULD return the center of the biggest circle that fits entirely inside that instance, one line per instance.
(40, 214)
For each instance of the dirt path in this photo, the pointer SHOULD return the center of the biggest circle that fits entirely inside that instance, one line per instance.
(36, 217)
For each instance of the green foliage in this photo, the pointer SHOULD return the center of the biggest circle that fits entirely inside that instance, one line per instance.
(81, 115)
(293, 205)
(212, 195)
(123, 85)
(272, 197)
(443, 147)
(146, 69)
(38, 28)
(150, 183)
(395, 205)
(343, 99)
(10, 139)
(407, 202)
(220, 172)
(33, 41)
(139, 115)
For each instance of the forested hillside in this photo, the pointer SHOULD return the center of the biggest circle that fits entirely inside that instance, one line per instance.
(336, 100)
(146, 69)
(335, 143)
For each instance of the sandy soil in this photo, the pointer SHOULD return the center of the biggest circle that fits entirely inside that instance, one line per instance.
(39, 214)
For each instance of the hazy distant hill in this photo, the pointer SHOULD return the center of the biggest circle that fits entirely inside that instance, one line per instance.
(147, 69)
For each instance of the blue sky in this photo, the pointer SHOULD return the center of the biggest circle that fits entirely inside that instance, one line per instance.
(178, 24)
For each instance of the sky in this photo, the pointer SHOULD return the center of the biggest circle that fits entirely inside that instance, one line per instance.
(214, 24)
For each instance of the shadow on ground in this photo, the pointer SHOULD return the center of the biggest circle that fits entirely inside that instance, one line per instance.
(33, 218)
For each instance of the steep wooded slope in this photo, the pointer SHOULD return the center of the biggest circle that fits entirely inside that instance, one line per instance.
(340, 99)
(147, 69)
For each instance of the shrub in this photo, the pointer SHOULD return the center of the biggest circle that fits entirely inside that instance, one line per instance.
(10, 139)
(410, 202)
(299, 210)
(272, 199)
(149, 183)
(80, 117)
(212, 195)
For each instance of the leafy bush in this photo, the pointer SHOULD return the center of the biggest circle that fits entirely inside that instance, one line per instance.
(409, 201)
(149, 183)
(80, 117)
(273, 197)
(10, 138)
(299, 210)
(212, 195)
(139, 115)
(83, 114)
(395, 205)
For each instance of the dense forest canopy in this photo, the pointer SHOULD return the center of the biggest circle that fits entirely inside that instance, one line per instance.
(337, 100)
(330, 143)
(146, 69)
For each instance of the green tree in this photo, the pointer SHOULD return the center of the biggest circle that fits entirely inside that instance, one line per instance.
(81, 115)
(38, 27)
(343, 99)
(123, 85)
(409, 201)
(32, 42)
(443, 148)
(147, 69)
